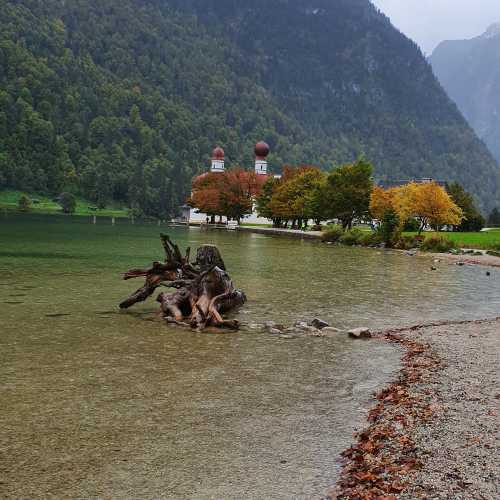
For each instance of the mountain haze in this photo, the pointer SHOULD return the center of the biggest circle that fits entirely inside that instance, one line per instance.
(469, 70)
(124, 99)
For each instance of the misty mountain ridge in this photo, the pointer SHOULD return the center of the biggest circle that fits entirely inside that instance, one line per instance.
(469, 70)
(492, 31)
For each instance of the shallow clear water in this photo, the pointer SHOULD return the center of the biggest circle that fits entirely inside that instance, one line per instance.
(99, 403)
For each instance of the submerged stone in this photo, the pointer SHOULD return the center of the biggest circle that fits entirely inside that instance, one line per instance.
(360, 333)
(301, 324)
(319, 323)
(274, 331)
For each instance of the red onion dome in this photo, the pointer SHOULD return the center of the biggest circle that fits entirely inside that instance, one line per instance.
(218, 153)
(262, 150)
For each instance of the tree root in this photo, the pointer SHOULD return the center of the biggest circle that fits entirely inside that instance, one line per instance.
(204, 290)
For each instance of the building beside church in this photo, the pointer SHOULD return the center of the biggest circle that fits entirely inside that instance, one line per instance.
(218, 166)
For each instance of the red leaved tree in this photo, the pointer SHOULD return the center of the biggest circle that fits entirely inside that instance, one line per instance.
(205, 194)
(230, 193)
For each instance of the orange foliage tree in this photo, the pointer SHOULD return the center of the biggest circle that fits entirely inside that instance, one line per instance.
(238, 192)
(381, 202)
(205, 194)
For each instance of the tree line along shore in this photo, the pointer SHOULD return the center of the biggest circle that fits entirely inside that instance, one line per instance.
(397, 215)
(338, 200)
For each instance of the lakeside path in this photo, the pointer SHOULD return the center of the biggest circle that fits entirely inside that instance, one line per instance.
(435, 432)
(290, 233)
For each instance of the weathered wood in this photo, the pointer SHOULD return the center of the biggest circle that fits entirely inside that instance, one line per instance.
(208, 256)
(204, 289)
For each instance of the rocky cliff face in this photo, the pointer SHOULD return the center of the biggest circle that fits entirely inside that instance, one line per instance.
(469, 70)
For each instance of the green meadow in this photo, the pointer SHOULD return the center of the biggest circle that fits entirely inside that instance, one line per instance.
(42, 204)
(485, 240)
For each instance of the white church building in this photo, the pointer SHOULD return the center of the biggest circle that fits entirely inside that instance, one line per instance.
(218, 166)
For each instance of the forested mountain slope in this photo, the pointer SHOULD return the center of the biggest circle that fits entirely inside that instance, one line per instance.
(469, 70)
(125, 99)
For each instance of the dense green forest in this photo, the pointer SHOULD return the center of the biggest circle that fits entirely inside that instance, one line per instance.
(123, 100)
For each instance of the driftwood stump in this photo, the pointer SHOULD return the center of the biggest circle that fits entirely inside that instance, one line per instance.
(204, 290)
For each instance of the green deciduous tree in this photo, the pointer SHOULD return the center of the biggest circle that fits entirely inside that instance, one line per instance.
(494, 218)
(472, 218)
(346, 194)
(294, 197)
(265, 197)
(67, 202)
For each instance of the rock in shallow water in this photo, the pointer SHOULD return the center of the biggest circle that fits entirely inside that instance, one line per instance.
(301, 324)
(274, 331)
(304, 327)
(319, 323)
(272, 327)
(360, 333)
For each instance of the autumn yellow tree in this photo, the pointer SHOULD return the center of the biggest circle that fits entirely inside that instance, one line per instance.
(427, 202)
(432, 205)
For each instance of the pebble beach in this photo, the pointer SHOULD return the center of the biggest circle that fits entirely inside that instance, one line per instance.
(435, 431)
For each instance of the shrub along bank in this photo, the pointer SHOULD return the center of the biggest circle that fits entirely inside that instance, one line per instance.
(427, 242)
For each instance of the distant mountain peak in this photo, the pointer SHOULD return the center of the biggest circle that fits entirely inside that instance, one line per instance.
(492, 31)
(476, 90)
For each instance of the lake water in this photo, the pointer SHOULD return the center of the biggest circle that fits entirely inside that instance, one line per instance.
(101, 403)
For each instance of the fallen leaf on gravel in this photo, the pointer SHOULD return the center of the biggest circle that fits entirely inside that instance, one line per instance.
(397, 487)
(385, 451)
(365, 476)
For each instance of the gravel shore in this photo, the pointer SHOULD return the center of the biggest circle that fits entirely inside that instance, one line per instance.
(477, 260)
(435, 431)
(460, 447)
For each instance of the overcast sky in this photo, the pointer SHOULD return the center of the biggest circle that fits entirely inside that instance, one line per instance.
(429, 22)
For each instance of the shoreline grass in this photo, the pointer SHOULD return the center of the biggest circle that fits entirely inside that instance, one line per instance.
(46, 206)
(485, 240)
